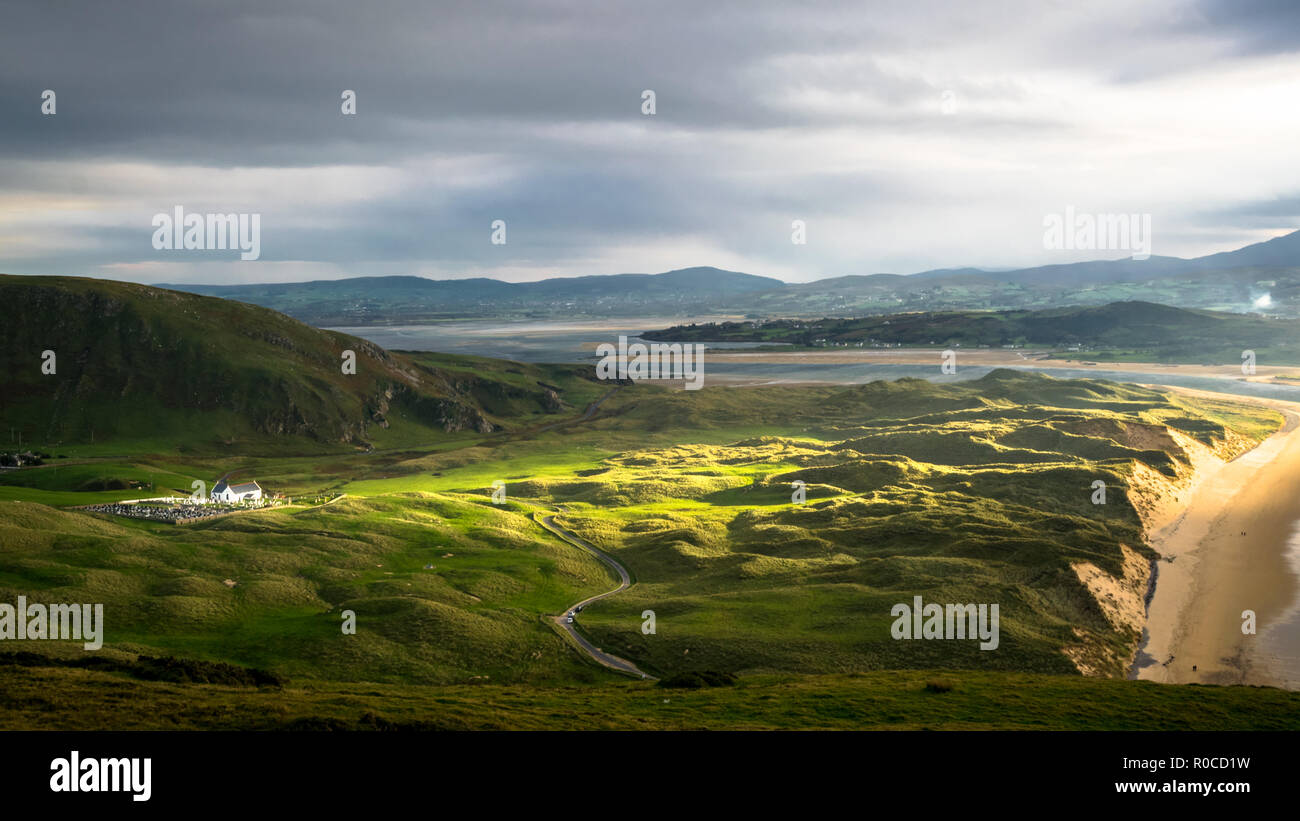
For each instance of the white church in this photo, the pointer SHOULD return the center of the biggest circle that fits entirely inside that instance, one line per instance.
(223, 491)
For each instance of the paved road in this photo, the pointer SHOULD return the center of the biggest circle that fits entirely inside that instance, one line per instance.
(611, 661)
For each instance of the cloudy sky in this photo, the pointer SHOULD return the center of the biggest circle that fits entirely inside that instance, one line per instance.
(906, 135)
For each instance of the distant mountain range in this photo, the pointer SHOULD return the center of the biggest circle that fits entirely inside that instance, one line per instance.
(406, 299)
(1263, 277)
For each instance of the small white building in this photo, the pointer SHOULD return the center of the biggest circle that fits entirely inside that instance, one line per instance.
(243, 492)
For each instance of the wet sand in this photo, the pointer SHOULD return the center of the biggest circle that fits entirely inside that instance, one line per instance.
(1223, 553)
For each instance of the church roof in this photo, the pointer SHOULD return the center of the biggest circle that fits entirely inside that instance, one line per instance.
(243, 487)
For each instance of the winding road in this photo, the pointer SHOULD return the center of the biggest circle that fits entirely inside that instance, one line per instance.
(604, 659)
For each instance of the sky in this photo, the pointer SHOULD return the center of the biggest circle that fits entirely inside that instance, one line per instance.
(905, 136)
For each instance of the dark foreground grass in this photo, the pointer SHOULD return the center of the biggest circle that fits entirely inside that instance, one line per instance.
(51, 698)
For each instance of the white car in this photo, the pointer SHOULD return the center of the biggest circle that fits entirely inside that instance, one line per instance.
(569, 620)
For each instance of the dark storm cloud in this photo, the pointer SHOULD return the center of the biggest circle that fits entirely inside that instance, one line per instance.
(260, 83)
(1255, 26)
(1275, 212)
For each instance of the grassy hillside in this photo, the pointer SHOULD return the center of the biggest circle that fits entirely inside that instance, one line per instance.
(169, 370)
(971, 492)
(1140, 330)
(444, 589)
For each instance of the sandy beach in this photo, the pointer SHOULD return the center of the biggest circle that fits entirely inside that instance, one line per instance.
(1224, 552)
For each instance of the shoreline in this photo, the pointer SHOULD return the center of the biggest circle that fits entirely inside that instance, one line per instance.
(1039, 358)
(1150, 373)
(1223, 549)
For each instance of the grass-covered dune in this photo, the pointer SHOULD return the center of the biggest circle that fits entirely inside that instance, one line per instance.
(981, 492)
(974, 492)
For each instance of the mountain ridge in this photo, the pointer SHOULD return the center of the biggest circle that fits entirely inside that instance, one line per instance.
(1229, 280)
(133, 361)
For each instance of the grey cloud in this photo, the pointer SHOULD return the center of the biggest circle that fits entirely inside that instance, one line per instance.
(1255, 26)
(247, 83)
(541, 91)
(1276, 212)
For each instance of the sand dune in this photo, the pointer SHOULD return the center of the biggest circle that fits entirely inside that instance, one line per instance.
(1224, 539)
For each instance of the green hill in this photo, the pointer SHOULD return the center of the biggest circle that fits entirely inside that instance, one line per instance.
(976, 492)
(136, 363)
(1131, 329)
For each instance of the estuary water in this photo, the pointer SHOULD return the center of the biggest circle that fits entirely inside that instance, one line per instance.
(576, 341)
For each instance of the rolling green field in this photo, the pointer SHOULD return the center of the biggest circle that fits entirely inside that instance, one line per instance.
(961, 493)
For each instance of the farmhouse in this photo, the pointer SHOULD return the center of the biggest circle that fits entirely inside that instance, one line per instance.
(223, 491)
